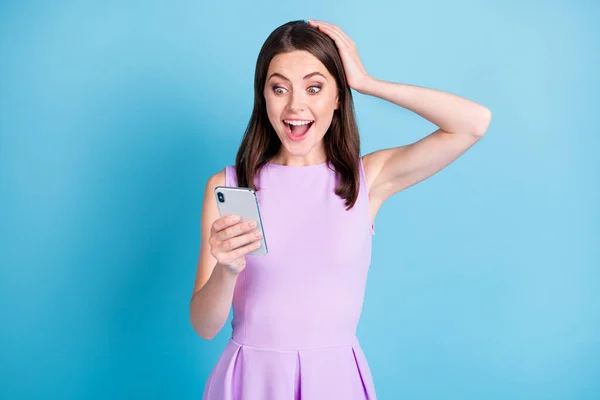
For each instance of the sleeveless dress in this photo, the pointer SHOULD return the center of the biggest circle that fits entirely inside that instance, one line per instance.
(296, 310)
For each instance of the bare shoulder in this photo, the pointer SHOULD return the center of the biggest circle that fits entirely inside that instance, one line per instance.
(217, 179)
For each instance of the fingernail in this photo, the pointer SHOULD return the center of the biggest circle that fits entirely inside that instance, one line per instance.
(235, 218)
(252, 224)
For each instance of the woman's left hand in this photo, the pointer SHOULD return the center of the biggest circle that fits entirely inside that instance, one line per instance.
(355, 72)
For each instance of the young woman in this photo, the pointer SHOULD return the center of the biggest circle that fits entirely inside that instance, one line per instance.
(296, 309)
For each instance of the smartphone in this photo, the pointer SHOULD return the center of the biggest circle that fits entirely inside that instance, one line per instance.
(243, 202)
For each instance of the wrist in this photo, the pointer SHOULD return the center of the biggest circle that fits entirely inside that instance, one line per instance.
(365, 84)
(226, 271)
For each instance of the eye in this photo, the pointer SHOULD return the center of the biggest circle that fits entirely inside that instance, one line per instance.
(316, 87)
(278, 89)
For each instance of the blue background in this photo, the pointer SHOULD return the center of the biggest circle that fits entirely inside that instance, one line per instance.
(485, 278)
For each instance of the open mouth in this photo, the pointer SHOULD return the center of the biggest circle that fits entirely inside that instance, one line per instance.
(298, 130)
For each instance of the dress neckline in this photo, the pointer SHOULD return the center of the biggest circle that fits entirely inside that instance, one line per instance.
(296, 167)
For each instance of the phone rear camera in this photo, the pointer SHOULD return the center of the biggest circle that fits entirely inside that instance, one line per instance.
(221, 197)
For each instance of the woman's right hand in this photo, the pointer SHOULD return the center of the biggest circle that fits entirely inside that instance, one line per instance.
(231, 240)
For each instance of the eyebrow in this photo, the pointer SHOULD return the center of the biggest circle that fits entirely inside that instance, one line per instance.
(276, 74)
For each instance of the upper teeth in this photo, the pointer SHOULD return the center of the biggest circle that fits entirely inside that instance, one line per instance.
(297, 122)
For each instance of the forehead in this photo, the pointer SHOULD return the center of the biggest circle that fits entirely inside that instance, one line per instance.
(296, 64)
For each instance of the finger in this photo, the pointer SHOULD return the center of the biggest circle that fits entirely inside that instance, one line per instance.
(341, 34)
(225, 222)
(235, 230)
(335, 31)
(340, 39)
(246, 249)
(242, 240)
(239, 241)
(326, 28)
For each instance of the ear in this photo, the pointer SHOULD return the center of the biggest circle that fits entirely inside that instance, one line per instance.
(337, 103)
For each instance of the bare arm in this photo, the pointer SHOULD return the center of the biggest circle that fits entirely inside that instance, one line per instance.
(223, 246)
(213, 290)
(209, 307)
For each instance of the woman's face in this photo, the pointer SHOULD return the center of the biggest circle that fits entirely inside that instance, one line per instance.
(299, 91)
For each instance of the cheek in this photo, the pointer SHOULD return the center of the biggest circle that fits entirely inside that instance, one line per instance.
(273, 109)
(324, 106)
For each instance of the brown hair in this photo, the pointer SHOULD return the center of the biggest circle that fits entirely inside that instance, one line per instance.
(341, 142)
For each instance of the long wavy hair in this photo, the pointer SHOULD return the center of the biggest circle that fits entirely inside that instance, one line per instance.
(341, 141)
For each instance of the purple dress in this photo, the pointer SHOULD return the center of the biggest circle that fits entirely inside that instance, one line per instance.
(296, 310)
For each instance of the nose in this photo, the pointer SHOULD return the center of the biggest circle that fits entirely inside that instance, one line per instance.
(296, 103)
